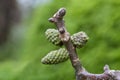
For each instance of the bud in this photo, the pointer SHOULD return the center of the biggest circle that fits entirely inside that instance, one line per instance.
(79, 39)
(56, 56)
(53, 36)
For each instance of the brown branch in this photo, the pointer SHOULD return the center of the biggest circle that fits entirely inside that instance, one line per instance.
(57, 19)
(81, 73)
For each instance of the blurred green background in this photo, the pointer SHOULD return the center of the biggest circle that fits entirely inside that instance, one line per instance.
(100, 19)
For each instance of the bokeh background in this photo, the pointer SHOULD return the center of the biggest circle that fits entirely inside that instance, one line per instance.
(23, 43)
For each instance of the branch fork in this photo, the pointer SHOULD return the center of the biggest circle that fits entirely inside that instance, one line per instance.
(81, 73)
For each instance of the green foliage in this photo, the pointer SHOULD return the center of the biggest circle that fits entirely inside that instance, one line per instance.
(100, 19)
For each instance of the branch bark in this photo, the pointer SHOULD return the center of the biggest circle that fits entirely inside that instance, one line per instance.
(81, 73)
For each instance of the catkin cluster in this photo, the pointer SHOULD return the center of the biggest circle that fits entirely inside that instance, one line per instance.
(61, 55)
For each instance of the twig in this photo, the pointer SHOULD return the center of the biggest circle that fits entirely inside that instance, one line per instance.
(81, 73)
(57, 19)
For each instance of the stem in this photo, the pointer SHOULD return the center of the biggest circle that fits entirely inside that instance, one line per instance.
(57, 19)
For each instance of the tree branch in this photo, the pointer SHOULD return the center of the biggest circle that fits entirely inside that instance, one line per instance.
(81, 73)
(57, 19)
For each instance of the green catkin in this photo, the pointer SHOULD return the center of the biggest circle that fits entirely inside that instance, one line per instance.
(53, 36)
(79, 39)
(56, 56)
